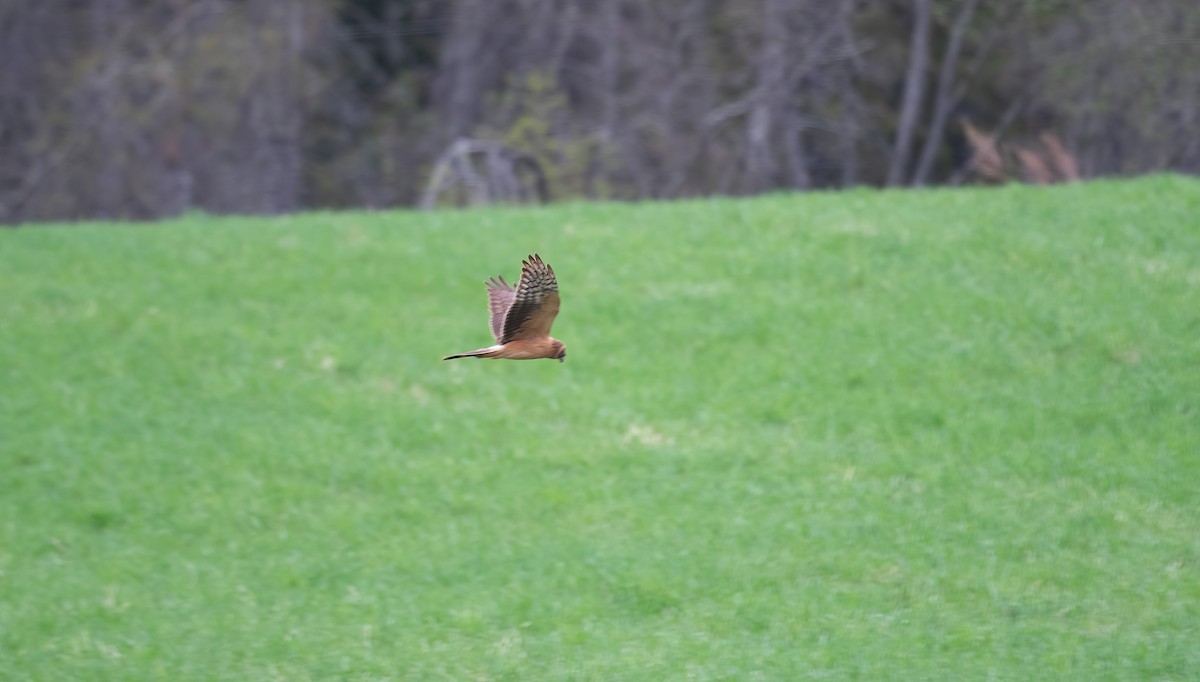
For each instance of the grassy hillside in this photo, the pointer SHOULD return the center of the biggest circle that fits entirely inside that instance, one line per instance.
(866, 435)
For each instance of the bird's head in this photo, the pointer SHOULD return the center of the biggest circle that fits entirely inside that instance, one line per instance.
(560, 351)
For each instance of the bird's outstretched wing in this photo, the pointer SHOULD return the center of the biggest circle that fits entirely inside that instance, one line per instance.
(500, 298)
(535, 302)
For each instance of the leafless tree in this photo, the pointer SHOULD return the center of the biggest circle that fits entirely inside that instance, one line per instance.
(914, 90)
(947, 93)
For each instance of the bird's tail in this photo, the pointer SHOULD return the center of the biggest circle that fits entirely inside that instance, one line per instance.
(481, 353)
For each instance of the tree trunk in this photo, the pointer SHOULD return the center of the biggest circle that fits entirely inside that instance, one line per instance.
(914, 91)
(946, 98)
(765, 111)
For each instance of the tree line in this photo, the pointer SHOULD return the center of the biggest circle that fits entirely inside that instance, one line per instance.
(148, 108)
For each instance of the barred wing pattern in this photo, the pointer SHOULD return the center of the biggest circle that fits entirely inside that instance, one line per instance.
(500, 299)
(535, 302)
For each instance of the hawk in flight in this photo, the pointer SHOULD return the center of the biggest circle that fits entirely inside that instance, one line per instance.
(521, 317)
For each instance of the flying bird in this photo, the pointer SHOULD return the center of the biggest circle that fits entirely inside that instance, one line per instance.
(521, 316)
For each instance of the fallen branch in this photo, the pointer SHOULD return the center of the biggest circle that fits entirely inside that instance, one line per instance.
(490, 173)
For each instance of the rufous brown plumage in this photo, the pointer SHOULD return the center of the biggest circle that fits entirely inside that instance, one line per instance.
(521, 316)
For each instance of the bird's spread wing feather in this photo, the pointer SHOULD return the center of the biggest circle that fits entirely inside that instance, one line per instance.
(534, 304)
(500, 298)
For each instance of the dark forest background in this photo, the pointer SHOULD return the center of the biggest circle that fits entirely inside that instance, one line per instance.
(147, 108)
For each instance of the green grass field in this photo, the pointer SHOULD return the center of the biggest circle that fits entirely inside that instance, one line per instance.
(927, 435)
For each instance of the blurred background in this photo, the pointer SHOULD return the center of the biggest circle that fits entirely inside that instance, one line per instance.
(148, 108)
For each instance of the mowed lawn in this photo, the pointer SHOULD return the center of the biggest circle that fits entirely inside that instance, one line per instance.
(918, 435)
